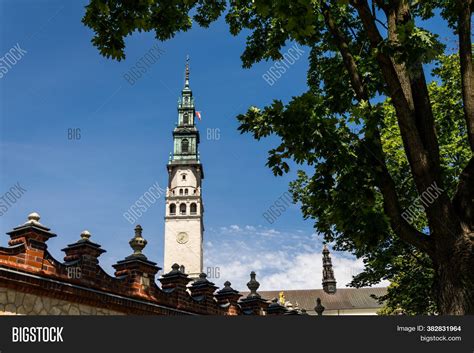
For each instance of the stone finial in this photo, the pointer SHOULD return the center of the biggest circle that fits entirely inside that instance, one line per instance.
(202, 278)
(319, 308)
(33, 218)
(36, 231)
(85, 235)
(227, 294)
(175, 268)
(253, 286)
(228, 289)
(137, 243)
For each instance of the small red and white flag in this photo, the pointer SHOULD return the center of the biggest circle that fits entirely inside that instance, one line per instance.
(198, 114)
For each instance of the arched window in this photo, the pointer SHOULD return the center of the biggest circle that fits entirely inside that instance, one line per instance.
(183, 177)
(172, 208)
(193, 208)
(185, 146)
(182, 208)
(181, 191)
(186, 119)
(185, 191)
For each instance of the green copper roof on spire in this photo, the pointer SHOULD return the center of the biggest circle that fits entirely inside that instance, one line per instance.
(185, 133)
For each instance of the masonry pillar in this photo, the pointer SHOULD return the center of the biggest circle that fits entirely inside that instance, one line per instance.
(137, 268)
(31, 237)
(227, 298)
(81, 259)
(253, 304)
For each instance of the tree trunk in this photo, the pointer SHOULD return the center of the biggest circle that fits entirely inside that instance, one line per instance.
(454, 280)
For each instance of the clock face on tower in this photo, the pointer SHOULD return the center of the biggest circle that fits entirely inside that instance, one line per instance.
(182, 238)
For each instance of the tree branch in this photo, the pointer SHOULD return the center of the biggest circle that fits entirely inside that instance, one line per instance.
(422, 163)
(464, 197)
(415, 82)
(467, 70)
(400, 226)
(343, 46)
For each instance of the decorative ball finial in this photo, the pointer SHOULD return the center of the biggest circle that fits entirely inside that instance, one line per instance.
(33, 217)
(137, 243)
(85, 235)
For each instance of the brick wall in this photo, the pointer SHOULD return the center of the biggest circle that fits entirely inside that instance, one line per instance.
(33, 282)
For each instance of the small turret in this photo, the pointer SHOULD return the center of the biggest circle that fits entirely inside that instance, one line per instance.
(329, 282)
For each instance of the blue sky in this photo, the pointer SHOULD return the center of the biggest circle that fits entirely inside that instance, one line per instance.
(63, 83)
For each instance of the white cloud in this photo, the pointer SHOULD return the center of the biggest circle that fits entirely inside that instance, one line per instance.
(281, 260)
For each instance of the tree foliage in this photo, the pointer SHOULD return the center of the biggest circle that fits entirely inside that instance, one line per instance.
(376, 133)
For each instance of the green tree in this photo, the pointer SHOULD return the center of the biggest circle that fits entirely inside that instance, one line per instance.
(363, 180)
(411, 273)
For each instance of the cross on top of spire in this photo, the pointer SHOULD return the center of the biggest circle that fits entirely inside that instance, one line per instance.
(186, 75)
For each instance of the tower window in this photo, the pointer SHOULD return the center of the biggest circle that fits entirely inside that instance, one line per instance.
(172, 208)
(183, 177)
(185, 191)
(193, 208)
(181, 191)
(185, 146)
(186, 119)
(182, 209)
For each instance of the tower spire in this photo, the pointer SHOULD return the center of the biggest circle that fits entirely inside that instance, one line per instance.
(184, 225)
(186, 73)
(329, 282)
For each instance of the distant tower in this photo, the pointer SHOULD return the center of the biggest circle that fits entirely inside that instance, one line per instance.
(184, 210)
(329, 282)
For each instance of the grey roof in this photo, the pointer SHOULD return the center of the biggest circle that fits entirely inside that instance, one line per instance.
(344, 298)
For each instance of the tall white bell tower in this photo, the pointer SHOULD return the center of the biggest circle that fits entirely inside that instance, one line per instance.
(184, 209)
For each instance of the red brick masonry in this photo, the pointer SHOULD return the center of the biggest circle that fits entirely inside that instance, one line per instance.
(28, 267)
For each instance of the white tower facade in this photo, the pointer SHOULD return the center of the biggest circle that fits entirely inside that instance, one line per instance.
(184, 225)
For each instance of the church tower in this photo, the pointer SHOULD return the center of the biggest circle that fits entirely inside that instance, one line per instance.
(184, 209)
(329, 282)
